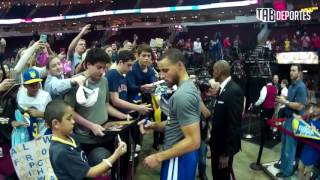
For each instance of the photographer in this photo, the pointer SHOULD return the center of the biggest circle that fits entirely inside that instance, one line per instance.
(208, 89)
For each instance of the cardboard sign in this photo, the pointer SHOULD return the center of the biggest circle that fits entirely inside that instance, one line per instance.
(156, 43)
(152, 43)
(159, 43)
(303, 129)
(31, 160)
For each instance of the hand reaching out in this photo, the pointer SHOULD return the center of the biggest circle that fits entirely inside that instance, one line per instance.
(85, 29)
(6, 84)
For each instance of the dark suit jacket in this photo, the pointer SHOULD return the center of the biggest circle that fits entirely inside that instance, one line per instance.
(226, 122)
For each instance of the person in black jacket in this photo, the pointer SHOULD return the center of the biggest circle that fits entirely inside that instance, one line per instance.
(225, 139)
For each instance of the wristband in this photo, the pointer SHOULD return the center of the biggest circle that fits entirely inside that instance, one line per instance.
(287, 103)
(107, 162)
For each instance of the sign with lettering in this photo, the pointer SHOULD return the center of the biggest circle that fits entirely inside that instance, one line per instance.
(297, 58)
(303, 129)
(31, 159)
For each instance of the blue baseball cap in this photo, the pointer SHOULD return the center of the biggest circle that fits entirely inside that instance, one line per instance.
(31, 76)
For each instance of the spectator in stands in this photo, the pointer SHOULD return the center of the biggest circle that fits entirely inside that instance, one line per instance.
(108, 49)
(77, 47)
(305, 42)
(295, 43)
(287, 45)
(55, 83)
(188, 51)
(180, 44)
(141, 77)
(114, 55)
(237, 43)
(91, 113)
(127, 45)
(295, 104)
(3, 44)
(68, 160)
(33, 100)
(216, 49)
(316, 43)
(197, 46)
(227, 47)
(197, 52)
(119, 87)
(205, 47)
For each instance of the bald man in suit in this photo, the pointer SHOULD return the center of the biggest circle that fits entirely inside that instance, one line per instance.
(225, 139)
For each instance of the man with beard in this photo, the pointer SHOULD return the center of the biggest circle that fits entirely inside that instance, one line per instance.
(225, 139)
(295, 104)
(182, 130)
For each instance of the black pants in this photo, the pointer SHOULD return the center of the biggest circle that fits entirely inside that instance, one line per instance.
(220, 174)
(264, 129)
(97, 152)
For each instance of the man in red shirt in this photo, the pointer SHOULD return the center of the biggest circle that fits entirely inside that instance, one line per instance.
(267, 100)
(315, 40)
(227, 46)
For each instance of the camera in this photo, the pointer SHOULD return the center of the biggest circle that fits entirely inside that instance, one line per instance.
(202, 81)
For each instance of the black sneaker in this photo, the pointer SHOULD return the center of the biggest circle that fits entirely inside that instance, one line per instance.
(281, 175)
(277, 165)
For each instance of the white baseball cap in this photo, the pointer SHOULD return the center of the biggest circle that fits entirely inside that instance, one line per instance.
(87, 97)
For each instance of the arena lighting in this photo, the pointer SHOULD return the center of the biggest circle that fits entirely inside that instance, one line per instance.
(155, 10)
(11, 21)
(136, 11)
(183, 8)
(47, 19)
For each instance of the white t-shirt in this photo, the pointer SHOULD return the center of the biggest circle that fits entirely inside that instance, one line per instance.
(284, 93)
(197, 48)
(39, 102)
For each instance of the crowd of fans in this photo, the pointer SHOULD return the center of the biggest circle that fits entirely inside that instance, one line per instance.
(82, 87)
(200, 51)
(294, 43)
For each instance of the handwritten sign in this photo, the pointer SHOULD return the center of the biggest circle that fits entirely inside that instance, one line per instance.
(152, 43)
(31, 159)
(159, 42)
(297, 58)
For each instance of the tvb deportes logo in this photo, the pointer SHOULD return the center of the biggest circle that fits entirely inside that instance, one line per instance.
(270, 15)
